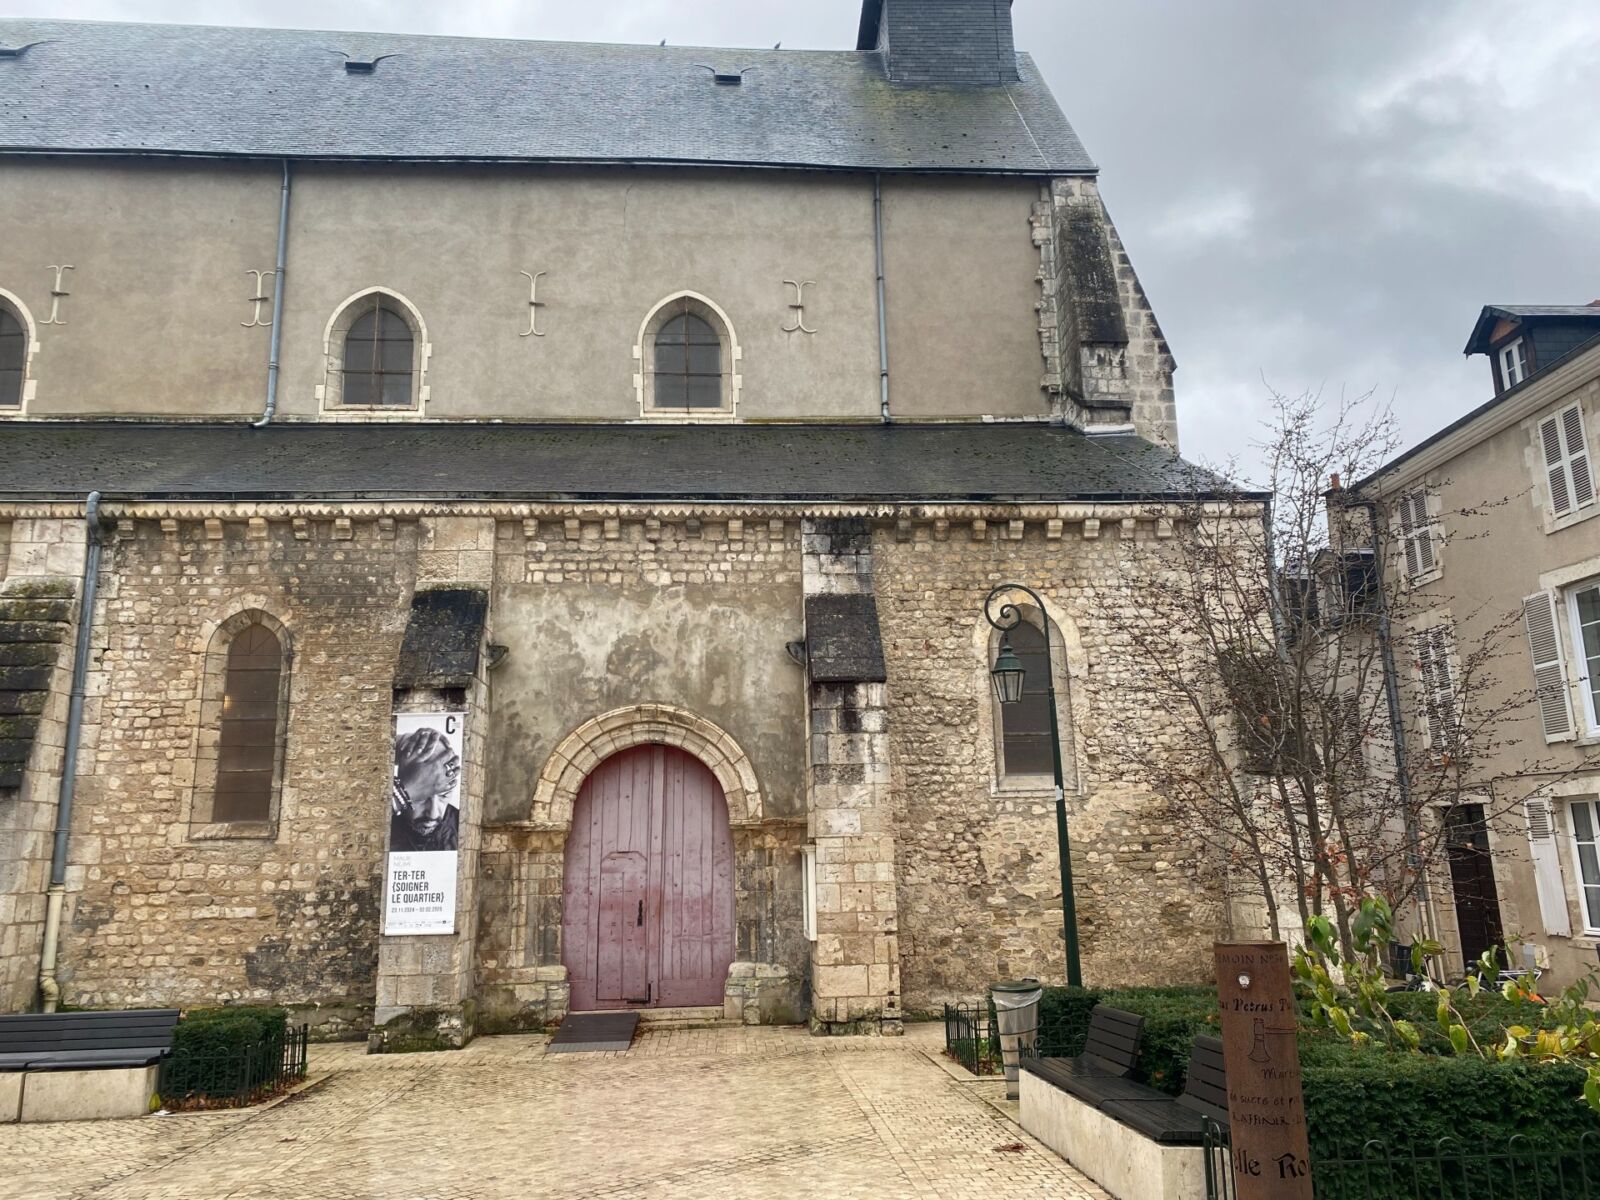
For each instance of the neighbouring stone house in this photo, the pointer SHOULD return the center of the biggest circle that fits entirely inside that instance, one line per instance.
(621, 438)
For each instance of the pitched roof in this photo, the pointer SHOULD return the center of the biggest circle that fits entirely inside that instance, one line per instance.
(843, 463)
(84, 86)
(1493, 314)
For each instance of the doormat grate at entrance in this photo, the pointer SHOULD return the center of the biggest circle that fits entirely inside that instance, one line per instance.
(590, 1032)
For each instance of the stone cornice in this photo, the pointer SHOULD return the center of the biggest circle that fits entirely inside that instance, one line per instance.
(242, 510)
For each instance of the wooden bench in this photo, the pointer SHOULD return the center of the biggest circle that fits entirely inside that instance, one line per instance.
(1131, 1139)
(1181, 1121)
(79, 1065)
(1109, 1052)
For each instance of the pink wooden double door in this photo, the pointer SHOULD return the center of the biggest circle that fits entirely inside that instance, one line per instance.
(648, 893)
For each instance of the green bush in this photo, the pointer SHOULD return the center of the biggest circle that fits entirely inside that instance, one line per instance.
(225, 1052)
(1412, 1103)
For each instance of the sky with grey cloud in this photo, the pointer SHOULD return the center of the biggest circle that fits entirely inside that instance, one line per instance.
(1315, 196)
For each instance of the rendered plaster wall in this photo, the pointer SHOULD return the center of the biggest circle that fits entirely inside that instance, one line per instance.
(601, 614)
(153, 323)
(979, 889)
(159, 319)
(157, 914)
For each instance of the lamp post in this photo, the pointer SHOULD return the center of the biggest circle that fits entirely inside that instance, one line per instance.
(1007, 676)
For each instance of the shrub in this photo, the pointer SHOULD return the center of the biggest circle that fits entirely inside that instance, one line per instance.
(225, 1052)
(1412, 1103)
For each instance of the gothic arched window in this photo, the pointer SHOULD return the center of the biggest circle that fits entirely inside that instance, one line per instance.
(13, 358)
(379, 365)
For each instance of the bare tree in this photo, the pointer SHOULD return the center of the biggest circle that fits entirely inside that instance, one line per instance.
(1281, 647)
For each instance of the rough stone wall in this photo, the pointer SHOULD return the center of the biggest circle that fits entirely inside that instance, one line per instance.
(158, 917)
(977, 864)
(38, 558)
(1104, 353)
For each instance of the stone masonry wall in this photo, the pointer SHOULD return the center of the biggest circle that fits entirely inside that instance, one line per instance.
(157, 916)
(978, 874)
(39, 559)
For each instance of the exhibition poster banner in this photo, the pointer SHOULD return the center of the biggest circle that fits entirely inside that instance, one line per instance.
(424, 824)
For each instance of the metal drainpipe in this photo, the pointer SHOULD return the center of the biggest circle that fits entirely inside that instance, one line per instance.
(49, 989)
(280, 270)
(883, 317)
(1397, 729)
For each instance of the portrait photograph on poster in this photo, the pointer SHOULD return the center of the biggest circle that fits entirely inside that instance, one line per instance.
(424, 823)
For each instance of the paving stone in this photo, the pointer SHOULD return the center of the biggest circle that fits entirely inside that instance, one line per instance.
(729, 1112)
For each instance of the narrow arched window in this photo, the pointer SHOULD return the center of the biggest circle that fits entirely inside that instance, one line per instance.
(688, 363)
(379, 358)
(247, 751)
(13, 358)
(1025, 725)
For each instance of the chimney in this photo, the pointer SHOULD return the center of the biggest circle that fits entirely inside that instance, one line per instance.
(941, 41)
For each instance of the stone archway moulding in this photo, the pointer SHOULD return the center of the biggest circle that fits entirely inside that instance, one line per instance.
(590, 744)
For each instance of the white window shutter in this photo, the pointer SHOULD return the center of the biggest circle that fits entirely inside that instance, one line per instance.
(1408, 538)
(1438, 688)
(1547, 868)
(1549, 671)
(1577, 449)
(1555, 466)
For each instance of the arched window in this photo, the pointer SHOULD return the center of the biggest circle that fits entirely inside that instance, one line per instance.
(1021, 730)
(376, 357)
(379, 352)
(688, 361)
(1025, 726)
(243, 722)
(688, 364)
(13, 358)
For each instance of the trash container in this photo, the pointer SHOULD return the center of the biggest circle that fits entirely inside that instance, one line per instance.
(1016, 1010)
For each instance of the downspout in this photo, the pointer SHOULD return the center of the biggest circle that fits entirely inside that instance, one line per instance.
(279, 270)
(1397, 729)
(883, 317)
(49, 989)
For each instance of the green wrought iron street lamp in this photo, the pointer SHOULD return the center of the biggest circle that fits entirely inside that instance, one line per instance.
(1007, 675)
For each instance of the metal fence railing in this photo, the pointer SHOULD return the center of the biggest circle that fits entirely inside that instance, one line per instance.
(235, 1077)
(1559, 1168)
(970, 1038)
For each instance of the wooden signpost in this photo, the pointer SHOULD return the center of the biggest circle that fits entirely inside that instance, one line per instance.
(1266, 1109)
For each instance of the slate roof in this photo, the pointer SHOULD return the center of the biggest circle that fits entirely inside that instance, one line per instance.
(1492, 314)
(184, 89)
(843, 642)
(440, 647)
(862, 463)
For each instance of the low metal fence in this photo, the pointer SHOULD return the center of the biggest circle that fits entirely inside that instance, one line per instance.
(1520, 1168)
(235, 1077)
(970, 1038)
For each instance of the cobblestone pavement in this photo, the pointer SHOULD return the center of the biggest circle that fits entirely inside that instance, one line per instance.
(684, 1114)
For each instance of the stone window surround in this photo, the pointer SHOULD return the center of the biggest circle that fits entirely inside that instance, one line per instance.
(644, 357)
(592, 742)
(331, 389)
(1070, 663)
(13, 302)
(213, 642)
(1562, 581)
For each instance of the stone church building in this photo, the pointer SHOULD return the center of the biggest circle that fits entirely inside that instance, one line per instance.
(491, 528)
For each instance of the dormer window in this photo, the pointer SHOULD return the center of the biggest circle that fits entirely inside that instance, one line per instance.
(1513, 363)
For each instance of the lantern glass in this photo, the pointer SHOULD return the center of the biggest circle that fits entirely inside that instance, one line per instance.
(1007, 674)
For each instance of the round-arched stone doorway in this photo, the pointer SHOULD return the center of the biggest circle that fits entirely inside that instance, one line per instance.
(647, 891)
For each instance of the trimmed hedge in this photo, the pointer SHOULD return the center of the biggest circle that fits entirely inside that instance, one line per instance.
(225, 1051)
(1411, 1103)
